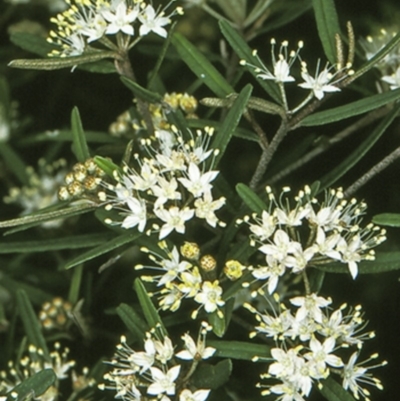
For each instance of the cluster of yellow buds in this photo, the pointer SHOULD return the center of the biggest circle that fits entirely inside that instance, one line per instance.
(125, 124)
(55, 315)
(83, 181)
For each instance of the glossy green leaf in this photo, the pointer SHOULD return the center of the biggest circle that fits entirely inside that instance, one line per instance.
(212, 376)
(54, 244)
(14, 163)
(201, 66)
(243, 50)
(387, 219)
(359, 152)
(32, 43)
(333, 391)
(54, 63)
(239, 349)
(103, 248)
(218, 323)
(75, 286)
(134, 323)
(328, 26)
(31, 325)
(33, 386)
(41, 217)
(351, 109)
(80, 147)
(384, 262)
(250, 198)
(231, 121)
(141, 92)
(149, 310)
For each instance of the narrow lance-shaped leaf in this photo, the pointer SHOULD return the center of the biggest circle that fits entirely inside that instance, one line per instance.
(333, 391)
(31, 324)
(141, 92)
(387, 219)
(75, 286)
(218, 322)
(351, 109)
(80, 147)
(328, 26)
(149, 310)
(39, 218)
(250, 198)
(62, 62)
(132, 320)
(200, 65)
(231, 121)
(106, 165)
(243, 50)
(35, 386)
(103, 248)
(14, 162)
(359, 152)
(239, 350)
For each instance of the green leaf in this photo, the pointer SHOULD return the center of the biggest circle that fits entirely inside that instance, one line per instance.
(140, 92)
(231, 121)
(33, 386)
(212, 376)
(132, 320)
(250, 198)
(66, 136)
(351, 109)
(243, 50)
(54, 63)
(31, 325)
(359, 152)
(80, 147)
(99, 67)
(14, 163)
(54, 244)
(75, 286)
(41, 217)
(149, 310)
(106, 165)
(387, 219)
(32, 43)
(384, 262)
(235, 10)
(103, 248)
(328, 26)
(333, 391)
(201, 67)
(239, 349)
(218, 323)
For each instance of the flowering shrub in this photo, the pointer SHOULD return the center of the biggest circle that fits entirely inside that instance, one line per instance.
(189, 252)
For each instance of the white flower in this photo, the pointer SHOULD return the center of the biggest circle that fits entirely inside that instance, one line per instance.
(151, 22)
(321, 355)
(196, 182)
(320, 84)
(145, 359)
(299, 259)
(281, 247)
(165, 190)
(199, 395)
(350, 253)
(291, 218)
(163, 382)
(264, 227)
(205, 207)
(288, 391)
(121, 18)
(393, 80)
(285, 365)
(195, 351)
(174, 219)
(173, 267)
(137, 214)
(310, 306)
(147, 178)
(210, 296)
(271, 272)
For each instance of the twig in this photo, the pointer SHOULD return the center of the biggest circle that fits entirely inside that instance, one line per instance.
(386, 162)
(364, 121)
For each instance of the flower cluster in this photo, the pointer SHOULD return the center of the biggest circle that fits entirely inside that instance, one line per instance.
(308, 342)
(88, 21)
(42, 189)
(182, 279)
(390, 64)
(33, 363)
(322, 82)
(303, 233)
(55, 314)
(172, 184)
(154, 374)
